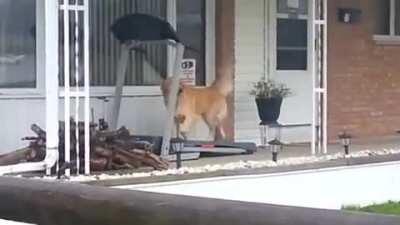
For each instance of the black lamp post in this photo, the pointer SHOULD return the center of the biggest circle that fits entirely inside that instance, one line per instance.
(276, 147)
(177, 145)
(269, 131)
(345, 140)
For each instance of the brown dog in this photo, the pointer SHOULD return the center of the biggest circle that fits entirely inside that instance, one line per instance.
(201, 103)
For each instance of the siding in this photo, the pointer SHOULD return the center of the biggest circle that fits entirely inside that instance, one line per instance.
(249, 67)
(251, 47)
(142, 115)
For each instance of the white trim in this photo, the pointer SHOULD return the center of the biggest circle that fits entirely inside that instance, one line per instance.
(171, 18)
(325, 77)
(314, 79)
(210, 51)
(128, 91)
(274, 16)
(72, 7)
(86, 86)
(387, 39)
(51, 76)
(391, 38)
(67, 101)
(287, 16)
(272, 38)
(392, 17)
(40, 46)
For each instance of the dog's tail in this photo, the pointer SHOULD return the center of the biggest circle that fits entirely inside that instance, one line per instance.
(224, 83)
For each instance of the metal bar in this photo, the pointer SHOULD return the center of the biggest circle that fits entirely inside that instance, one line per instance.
(76, 55)
(171, 18)
(172, 100)
(319, 74)
(87, 86)
(52, 80)
(67, 99)
(52, 203)
(325, 77)
(313, 72)
(392, 17)
(121, 74)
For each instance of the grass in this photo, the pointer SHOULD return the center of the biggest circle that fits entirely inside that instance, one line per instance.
(390, 208)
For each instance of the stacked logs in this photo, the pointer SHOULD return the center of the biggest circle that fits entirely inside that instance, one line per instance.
(109, 150)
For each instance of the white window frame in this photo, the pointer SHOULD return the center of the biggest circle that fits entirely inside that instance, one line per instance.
(97, 91)
(39, 90)
(274, 16)
(391, 38)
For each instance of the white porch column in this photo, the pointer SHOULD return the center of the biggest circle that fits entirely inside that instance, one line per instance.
(319, 13)
(51, 75)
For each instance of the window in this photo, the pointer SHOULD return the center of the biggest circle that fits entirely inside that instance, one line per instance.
(17, 44)
(292, 35)
(191, 29)
(387, 28)
(147, 65)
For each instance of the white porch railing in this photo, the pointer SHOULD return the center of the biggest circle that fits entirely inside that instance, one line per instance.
(319, 72)
(76, 16)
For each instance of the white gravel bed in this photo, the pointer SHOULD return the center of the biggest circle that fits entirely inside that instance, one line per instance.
(229, 166)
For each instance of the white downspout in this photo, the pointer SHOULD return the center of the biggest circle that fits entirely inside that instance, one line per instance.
(51, 74)
(49, 161)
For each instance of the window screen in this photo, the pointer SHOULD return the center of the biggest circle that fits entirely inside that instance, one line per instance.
(191, 29)
(145, 67)
(17, 43)
(292, 44)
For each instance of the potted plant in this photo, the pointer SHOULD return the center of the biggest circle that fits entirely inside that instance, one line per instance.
(269, 96)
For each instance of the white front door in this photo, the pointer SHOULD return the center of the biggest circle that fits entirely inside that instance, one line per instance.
(290, 63)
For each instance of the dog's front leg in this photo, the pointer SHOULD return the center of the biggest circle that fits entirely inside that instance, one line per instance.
(212, 133)
(221, 132)
(184, 135)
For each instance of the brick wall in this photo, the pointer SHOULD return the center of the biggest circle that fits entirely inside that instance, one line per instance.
(363, 77)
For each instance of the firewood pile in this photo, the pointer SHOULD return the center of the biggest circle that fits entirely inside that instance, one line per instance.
(109, 150)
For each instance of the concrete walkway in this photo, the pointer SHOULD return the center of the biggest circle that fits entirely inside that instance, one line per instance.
(298, 150)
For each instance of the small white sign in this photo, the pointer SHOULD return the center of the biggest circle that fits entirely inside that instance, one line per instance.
(188, 71)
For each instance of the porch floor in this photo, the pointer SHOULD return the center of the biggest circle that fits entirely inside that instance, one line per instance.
(298, 150)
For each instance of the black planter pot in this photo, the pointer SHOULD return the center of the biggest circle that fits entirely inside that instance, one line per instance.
(269, 109)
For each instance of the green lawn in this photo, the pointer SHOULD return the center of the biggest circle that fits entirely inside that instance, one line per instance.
(390, 208)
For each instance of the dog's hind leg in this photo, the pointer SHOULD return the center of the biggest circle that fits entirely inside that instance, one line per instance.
(215, 130)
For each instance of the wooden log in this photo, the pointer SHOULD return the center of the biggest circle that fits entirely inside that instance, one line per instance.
(125, 166)
(38, 131)
(102, 152)
(16, 156)
(131, 144)
(148, 159)
(149, 155)
(123, 159)
(109, 149)
(98, 164)
(117, 134)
